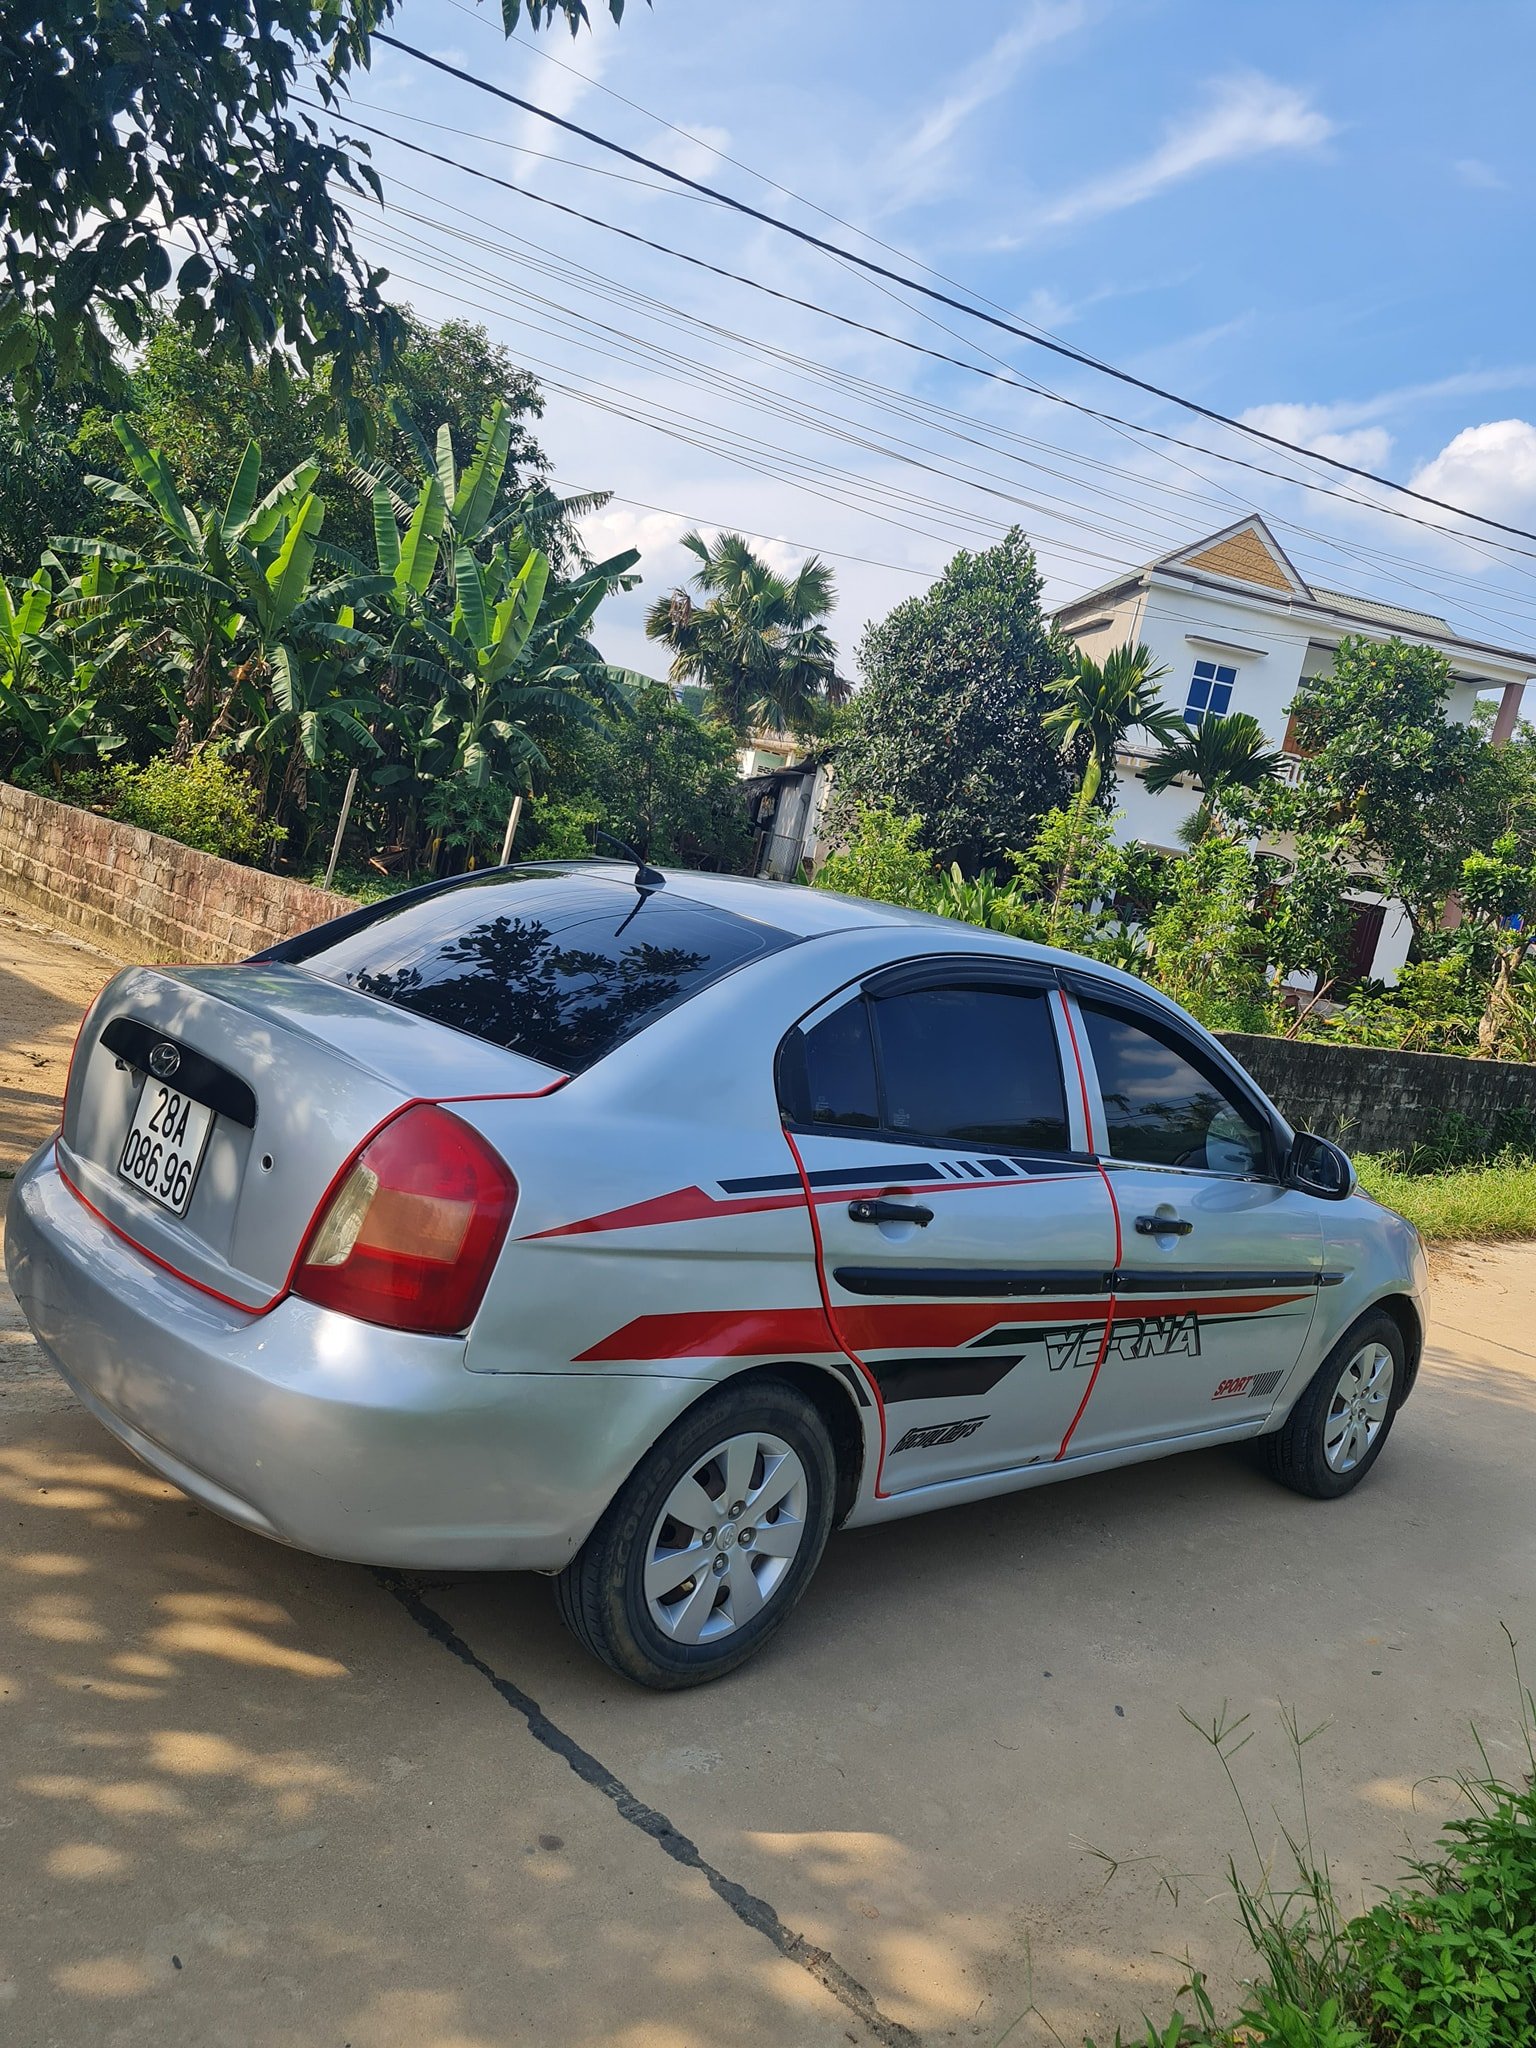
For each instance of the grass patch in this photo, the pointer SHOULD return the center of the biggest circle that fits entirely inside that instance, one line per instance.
(1445, 1959)
(1497, 1200)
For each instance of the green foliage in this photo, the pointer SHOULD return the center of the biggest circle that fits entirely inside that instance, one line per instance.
(1208, 949)
(883, 859)
(42, 477)
(228, 622)
(650, 773)
(1100, 702)
(668, 785)
(202, 801)
(1458, 1204)
(125, 117)
(758, 644)
(1433, 1007)
(51, 720)
(199, 411)
(949, 726)
(1381, 752)
(1219, 755)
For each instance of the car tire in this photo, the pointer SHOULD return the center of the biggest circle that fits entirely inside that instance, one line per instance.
(1339, 1427)
(762, 1442)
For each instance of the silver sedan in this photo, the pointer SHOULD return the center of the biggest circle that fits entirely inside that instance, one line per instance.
(642, 1229)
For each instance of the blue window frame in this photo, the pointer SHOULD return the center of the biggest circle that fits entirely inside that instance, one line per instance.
(1210, 692)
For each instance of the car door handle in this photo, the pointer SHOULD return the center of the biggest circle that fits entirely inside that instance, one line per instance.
(881, 1211)
(1162, 1226)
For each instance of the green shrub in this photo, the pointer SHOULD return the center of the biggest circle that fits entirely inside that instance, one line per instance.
(202, 801)
(884, 860)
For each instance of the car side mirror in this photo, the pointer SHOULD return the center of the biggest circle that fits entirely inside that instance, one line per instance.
(1318, 1167)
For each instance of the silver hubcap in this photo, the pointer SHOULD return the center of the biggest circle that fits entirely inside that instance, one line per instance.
(1358, 1408)
(725, 1540)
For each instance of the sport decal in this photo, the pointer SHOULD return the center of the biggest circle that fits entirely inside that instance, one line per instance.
(935, 1433)
(1253, 1386)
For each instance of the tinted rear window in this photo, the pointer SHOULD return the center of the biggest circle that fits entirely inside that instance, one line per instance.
(558, 966)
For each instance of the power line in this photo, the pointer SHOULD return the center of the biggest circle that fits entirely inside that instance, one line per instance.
(1019, 383)
(1036, 340)
(688, 369)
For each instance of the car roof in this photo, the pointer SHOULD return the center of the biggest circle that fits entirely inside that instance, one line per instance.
(807, 913)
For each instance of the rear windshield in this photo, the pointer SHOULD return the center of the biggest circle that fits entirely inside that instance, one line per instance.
(559, 966)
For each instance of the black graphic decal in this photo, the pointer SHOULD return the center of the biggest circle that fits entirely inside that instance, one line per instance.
(938, 1433)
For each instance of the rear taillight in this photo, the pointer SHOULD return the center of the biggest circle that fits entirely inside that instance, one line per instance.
(410, 1234)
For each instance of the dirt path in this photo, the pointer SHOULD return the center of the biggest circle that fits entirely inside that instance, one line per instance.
(46, 981)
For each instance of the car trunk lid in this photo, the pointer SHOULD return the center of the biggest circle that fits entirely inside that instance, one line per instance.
(298, 1072)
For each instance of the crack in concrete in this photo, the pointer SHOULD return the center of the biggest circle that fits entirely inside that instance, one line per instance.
(752, 1911)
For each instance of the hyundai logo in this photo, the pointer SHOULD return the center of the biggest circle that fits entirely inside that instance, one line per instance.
(164, 1059)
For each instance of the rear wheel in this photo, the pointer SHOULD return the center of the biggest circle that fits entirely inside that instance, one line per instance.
(710, 1541)
(1336, 1431)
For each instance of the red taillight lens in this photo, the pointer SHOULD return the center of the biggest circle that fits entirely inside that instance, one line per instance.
(412, 1230)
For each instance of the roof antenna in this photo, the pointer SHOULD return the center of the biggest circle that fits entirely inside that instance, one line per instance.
(647, 878)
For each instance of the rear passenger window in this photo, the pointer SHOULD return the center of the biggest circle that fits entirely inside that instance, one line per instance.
(971, 1066)
(839, 1072)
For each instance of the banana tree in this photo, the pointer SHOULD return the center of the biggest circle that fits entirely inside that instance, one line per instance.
(517, 649)
(178, 600)
(49, 708)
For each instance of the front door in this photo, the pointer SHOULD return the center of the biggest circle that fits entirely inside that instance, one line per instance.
(966, 1237)
(1219, 1262)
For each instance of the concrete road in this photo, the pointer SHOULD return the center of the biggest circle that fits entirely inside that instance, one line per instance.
(249, 1799)
(255, 1800)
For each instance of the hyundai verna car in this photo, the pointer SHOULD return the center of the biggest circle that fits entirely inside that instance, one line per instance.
(642, 1229)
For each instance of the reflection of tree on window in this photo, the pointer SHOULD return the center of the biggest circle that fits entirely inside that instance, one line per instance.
(1159, 1108)
(511, 981)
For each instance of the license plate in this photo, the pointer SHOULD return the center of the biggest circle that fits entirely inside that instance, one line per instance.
(165, 1146)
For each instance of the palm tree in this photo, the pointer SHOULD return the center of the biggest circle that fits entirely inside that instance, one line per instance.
(1102, 701)
(1230, 752)
(758, 644)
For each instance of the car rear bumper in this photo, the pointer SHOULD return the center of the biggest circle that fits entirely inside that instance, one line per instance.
(326, 1433)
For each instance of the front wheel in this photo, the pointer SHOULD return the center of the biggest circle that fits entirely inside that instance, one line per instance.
(709, 1543)
(1337, 1429)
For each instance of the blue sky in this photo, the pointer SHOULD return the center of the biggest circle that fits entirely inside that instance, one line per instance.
(1317, 217)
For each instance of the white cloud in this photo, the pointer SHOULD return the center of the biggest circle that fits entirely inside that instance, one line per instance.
(1248, 115)
(1326, 429)
(1482, 177)
(1489, 469)
(916, 167)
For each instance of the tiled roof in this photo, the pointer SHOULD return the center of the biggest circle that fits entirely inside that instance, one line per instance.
(1383, 614)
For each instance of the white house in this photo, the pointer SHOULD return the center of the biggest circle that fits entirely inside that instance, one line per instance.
(1236, 627)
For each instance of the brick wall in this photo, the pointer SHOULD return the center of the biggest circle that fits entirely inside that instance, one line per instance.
(1369, 1099)
(142, 896)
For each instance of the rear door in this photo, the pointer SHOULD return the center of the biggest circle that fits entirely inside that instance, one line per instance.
(966, 1235)
(1219, 1262)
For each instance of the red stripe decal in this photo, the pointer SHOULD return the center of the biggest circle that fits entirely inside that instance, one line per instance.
(1109, 1320)
(826, 1301)
(691, 1205)
(877, 1326)
(1082, 1079)
(683, 1205)
(718, 1333)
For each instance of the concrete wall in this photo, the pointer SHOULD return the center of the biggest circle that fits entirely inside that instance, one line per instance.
(142, 896)
(1372, 1100)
